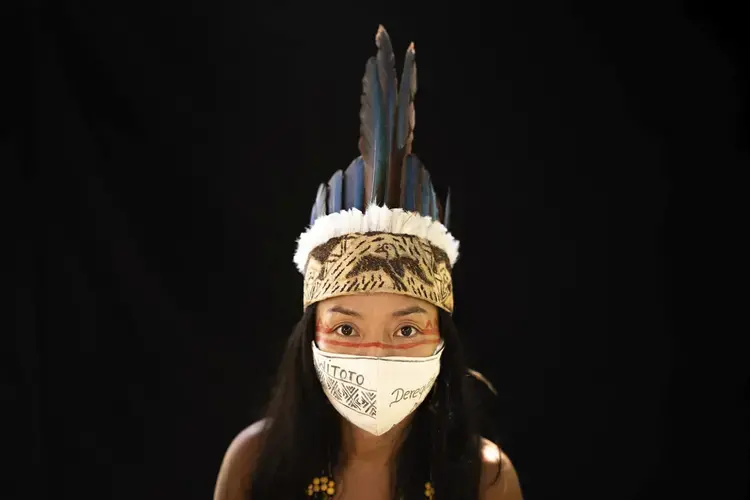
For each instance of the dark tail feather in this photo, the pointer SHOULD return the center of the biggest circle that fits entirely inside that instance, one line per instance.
(336, 192)
(405, 127)
(388, 81)
(406, 116)
(426, 205)
(372, 134)
(371, 123)
(390, 175)
(386, 173)
(434, 210)
(354, 185)
(411, 196)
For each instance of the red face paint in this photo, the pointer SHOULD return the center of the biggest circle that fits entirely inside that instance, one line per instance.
(361, 345)
(430, 330)
(325, 332)
(321, 328)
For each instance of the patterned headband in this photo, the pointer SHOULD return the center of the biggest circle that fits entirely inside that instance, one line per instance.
(355, 242)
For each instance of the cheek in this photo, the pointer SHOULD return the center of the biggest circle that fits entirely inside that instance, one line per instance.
(327, 343)
(427, 348)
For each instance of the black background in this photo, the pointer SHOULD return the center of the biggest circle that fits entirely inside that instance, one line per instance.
(164, 157)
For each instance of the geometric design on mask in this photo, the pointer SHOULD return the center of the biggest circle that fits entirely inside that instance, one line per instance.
(371, 408)
(360, 400)
(333, 388)
(353, 397)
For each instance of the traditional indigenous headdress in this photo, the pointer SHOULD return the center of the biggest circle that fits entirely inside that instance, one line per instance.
(378, 226)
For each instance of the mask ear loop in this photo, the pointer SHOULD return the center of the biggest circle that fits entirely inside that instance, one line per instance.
(439, 347)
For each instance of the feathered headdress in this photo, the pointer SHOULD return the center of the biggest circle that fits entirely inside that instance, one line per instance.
(378, 226)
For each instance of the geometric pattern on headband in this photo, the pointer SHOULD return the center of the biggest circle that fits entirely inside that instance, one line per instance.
(379, 262)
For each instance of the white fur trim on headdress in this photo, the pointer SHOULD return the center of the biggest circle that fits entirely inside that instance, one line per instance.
(375, 218)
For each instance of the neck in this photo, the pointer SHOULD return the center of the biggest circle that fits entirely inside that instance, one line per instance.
(360, 445)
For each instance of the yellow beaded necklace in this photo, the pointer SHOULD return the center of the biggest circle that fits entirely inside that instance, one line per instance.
(324, 488)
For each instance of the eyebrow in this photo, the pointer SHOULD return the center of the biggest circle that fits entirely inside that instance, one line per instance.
(408, 311)
(396, 314)
(344, 310)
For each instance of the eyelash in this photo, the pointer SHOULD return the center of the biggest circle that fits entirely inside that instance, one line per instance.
(416, 329)
(337, 329)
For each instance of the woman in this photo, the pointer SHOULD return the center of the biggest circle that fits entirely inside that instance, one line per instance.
(372, 400)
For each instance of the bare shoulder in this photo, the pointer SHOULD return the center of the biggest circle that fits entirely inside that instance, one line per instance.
(233, 482)
(507, 486)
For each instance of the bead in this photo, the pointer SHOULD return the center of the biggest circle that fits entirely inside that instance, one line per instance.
(429, 491)
(326, 486)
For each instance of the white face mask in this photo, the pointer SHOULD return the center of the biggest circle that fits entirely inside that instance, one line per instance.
(373, 393)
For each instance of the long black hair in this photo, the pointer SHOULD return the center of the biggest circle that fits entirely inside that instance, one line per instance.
(303, 439)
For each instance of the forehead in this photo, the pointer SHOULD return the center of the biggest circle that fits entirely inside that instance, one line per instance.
(375, 305)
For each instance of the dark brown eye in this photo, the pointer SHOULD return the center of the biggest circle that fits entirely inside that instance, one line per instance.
(407, 331)
(346, 330)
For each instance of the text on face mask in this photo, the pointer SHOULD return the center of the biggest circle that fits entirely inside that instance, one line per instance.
(340, 373)
(406, 394)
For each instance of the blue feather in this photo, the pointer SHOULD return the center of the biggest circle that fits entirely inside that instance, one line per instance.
(336, 192)
(354, 185)
(412, 177)
(405, 122)
(373, 134)
(385, 173)
(426, 205)
(447, 213)
(386, 62)
(434, 207)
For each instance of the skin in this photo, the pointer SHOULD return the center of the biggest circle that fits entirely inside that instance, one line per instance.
(379, 325)
(382, 325)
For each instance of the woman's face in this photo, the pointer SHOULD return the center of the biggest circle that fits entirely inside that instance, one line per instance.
(378, 324)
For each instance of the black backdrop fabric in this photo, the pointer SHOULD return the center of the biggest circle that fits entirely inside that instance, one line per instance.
(164, 158)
